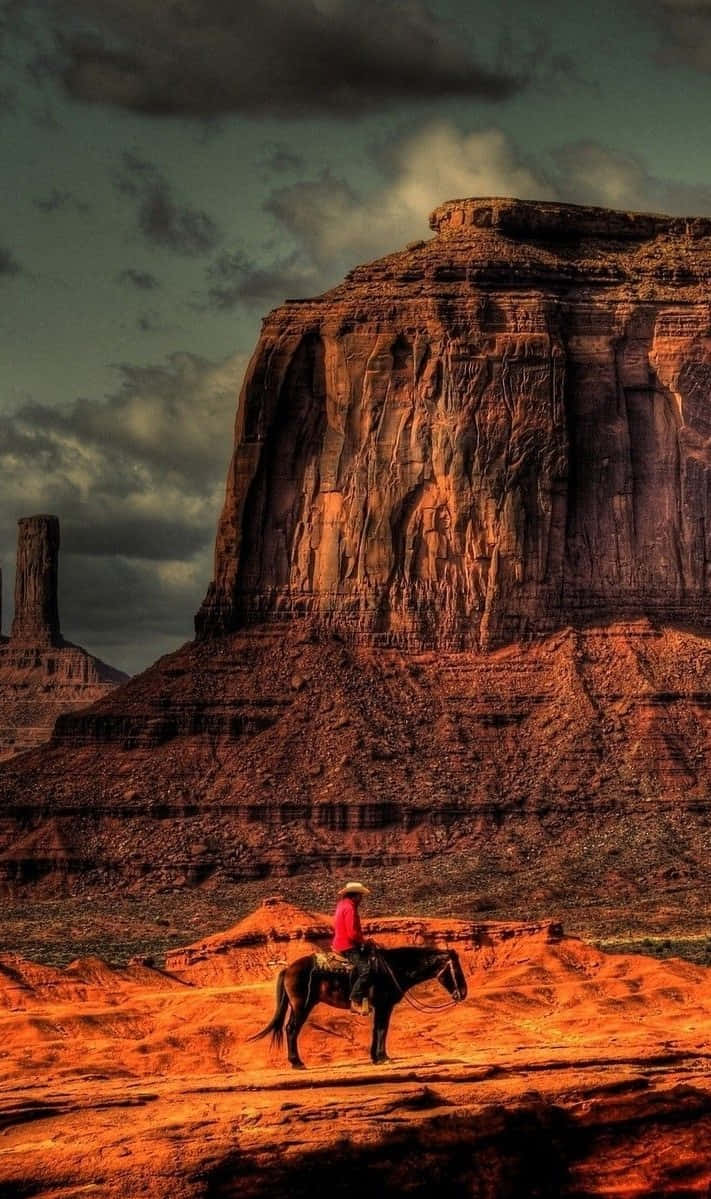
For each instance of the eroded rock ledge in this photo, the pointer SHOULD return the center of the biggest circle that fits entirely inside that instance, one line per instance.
(529, 221)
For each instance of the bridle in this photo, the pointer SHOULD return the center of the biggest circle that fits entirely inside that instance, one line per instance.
(423, 1007)
(449, 966)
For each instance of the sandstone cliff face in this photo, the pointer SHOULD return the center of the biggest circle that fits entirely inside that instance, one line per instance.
(495, 433)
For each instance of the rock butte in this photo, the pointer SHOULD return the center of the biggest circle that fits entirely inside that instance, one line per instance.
(567, 1072)
(458, 630)
(500, 432)
(41, 674)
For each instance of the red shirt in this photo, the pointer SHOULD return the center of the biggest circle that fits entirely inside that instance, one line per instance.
(347, 933)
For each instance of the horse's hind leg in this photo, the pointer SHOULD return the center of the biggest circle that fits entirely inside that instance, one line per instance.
(294, 1025)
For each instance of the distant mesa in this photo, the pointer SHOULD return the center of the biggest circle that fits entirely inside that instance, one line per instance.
(41, 674)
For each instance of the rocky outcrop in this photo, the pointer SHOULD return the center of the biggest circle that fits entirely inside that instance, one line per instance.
(494, 434)
(36, 619)
(41, 674)
(277, 932)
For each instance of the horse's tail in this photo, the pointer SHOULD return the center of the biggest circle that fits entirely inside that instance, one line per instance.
(276, 1024)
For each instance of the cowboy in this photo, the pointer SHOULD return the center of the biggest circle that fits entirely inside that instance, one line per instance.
(348, 940)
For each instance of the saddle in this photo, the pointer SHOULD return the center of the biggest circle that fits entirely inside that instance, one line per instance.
(328, 961)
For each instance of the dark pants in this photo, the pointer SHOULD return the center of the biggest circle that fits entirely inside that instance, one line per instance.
(360, 973)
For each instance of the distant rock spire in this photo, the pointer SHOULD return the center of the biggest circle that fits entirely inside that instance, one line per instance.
(36, 619)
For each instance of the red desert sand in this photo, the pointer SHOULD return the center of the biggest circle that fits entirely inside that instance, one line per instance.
(567, 1071)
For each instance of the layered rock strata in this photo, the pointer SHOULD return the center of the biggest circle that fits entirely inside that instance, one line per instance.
(568, 773)
(498, 432)
(41, 674)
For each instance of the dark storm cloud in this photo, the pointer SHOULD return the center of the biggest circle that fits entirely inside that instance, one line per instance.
(685, 32)
(9, 266)
(8, 100)
(57, 200)
(28, 56)
(277, 157)
(98, 596)
(201, 58)
(161, 219)
(165, 539)
(143, 280)
(16, 22)
(185, 230)
(234, 279)
(150, 322)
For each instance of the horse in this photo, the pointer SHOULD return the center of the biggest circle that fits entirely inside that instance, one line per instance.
(304, 983)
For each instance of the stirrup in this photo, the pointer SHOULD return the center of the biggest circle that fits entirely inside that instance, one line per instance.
(360, 1006)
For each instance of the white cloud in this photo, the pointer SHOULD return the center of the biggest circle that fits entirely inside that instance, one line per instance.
(336, 228)
(339, 228)
(589, 173)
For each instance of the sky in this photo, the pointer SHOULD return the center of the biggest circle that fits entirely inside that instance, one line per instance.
(173, 171)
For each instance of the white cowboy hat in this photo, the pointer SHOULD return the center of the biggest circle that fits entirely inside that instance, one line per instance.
(354, 889)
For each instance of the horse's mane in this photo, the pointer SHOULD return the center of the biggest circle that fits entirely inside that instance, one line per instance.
(411, 957)
(414, 953)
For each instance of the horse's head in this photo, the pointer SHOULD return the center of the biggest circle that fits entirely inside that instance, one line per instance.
(452, 977)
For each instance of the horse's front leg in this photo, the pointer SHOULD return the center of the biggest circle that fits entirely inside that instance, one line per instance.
(383, 1011)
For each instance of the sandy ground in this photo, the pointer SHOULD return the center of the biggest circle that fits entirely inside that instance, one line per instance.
(566, 1071)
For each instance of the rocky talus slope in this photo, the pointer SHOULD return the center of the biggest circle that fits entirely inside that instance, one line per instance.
(42, 674)
(566, 1072)
(459, 625)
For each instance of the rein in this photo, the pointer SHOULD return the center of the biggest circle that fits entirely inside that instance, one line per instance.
(415, 1003)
